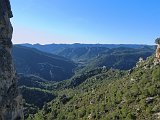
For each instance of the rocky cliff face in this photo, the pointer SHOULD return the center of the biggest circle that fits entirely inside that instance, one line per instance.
(157, 41)
(158, 51)
(10, 100)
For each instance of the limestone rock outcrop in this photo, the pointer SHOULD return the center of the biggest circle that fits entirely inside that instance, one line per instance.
(158, 51)
(158, 48)
(10, 99)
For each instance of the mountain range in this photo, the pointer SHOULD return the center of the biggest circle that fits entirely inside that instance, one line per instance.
(90, 53)
(92, 71)
(48, 66)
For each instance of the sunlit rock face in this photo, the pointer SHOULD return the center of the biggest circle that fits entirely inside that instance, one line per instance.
(158, 51)
(157, 41)
(10, 100)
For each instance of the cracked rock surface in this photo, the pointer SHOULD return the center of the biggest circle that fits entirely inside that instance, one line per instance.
(10, 99)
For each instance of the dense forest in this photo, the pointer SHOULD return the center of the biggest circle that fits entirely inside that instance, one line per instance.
(123, 87)
(107, 94)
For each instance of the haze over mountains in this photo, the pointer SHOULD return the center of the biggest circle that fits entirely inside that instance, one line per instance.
(98, 55)
(56, 48)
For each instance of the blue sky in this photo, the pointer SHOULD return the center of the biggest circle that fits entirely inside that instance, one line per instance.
(86, 21)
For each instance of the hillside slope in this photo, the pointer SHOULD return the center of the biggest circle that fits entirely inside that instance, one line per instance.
(85, 52)
(48, 66)
(89, 56)
(110, 95)
(120, 58)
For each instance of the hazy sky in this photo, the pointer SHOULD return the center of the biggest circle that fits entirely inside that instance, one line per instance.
(86, 21)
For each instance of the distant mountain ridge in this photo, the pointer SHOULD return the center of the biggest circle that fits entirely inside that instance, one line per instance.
(122, 56)
(56, 48)
(82, 52)
(45, 65)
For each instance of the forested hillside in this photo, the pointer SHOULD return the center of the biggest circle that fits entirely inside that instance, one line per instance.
(119, 58)
(108, 83)
(86, 52)
(45, 65)
(89, 56)
(109, 94)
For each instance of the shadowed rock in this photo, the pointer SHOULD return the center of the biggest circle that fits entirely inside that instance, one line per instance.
(10, 100)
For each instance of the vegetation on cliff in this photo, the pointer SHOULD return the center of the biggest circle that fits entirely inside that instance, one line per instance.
(109, 94)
